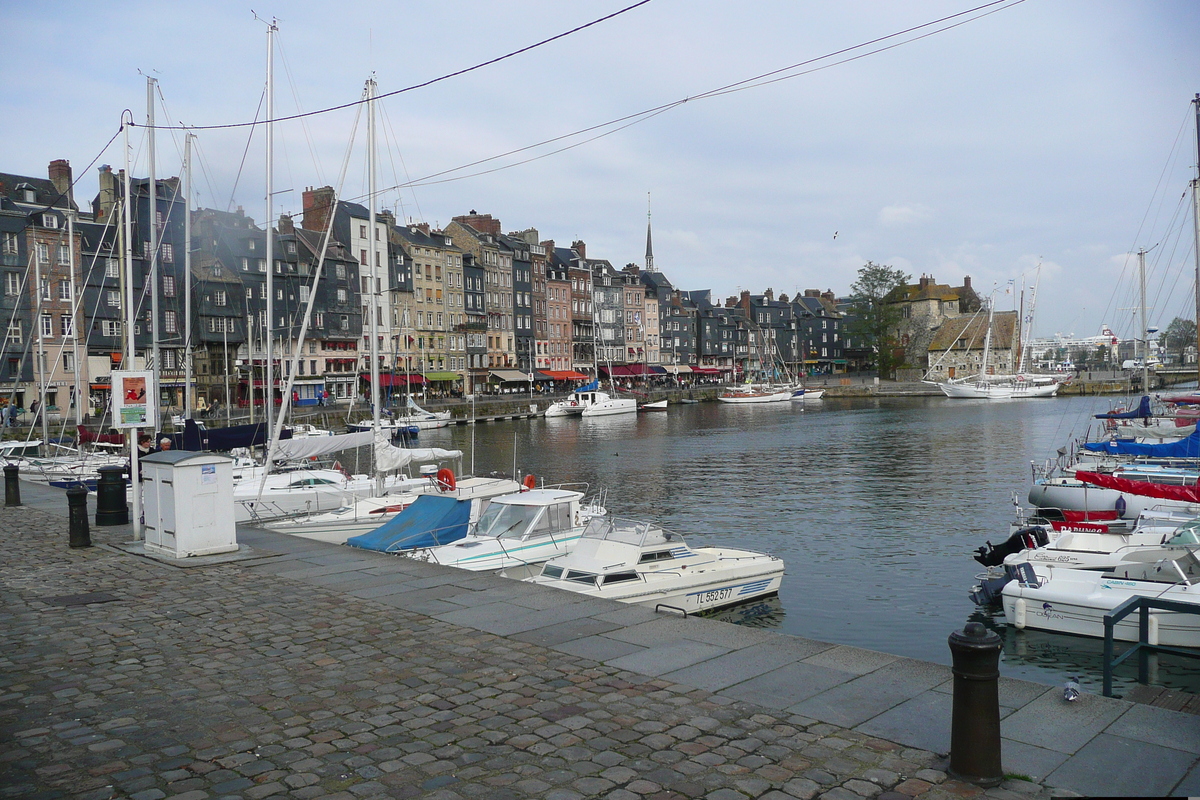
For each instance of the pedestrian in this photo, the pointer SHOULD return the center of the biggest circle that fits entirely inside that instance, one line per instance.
(164, 445)
(12, 415)
(34, 407)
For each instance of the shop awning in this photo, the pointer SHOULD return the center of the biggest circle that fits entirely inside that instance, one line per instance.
(507, 375)
(712, 371)
(564, 375)
(627, 370)
(101, 386)
(388, 379)
(442, 376)
(679, 369)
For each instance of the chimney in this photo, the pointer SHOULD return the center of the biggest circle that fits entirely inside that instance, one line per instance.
(549, 245)
(318, 207)
(744, 302)
(783, 298)
(769, 294)
(107, 198)
(423, 227)
(967, 282)
(387, 218)
(579, 247)
(731, 302)
(812, 292)
(484, 223)
(60, 176)
(829, 295)
(285, 224)
(632, 269)
(926, 281)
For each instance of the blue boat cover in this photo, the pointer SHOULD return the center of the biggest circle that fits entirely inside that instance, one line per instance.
(431, 520)
(1141, 412)
(1184, 448)
(591, 387)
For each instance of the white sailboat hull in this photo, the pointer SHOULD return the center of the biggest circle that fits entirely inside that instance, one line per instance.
(613, 405)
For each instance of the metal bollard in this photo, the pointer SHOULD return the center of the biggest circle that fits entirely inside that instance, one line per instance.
(12, 485)
(110, 497)
(975, 726)
(77, 503)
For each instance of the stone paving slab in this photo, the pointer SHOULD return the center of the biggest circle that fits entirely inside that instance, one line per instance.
(1113, 765)
(232, 681)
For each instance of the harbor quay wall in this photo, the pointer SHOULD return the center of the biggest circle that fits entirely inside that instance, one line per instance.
(296, 668)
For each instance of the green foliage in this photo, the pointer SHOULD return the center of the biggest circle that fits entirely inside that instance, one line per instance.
(875, 319)
(1179, 335)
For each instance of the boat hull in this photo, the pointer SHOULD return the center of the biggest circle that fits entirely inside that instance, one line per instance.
(616, 405)
(746, 398)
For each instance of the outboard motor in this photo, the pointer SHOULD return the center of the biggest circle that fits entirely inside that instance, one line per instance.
(991, 585)
(1025, 539)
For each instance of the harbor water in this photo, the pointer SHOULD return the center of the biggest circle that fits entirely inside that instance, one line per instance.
(875, 505)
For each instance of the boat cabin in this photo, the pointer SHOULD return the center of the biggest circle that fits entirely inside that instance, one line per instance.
(529, 515)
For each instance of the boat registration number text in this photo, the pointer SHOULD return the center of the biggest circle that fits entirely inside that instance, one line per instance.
(715, 596)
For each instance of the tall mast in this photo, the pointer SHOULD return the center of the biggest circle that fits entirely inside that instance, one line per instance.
(269, 378)
(152, 224)
(373, 270)
(188, 403)
(130, 315)
(39, 361)
(78, 369)
(1196, 223)
(987, 338)
(1142, 334)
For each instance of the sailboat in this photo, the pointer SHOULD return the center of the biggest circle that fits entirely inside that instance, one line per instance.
(1002, 386)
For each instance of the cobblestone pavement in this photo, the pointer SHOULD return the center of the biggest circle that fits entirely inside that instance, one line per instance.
(220, 682)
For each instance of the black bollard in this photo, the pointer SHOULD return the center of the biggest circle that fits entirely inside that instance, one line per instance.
(110, 497)
(12, 485)
(975, 727)
(77, 503)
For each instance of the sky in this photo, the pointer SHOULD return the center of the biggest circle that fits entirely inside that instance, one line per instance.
(1051, 132)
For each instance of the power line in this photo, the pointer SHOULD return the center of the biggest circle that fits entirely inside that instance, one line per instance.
(496, 60)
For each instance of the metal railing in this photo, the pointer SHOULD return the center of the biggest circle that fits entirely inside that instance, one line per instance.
(1143, 648)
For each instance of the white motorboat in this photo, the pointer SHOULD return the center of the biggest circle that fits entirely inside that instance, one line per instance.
(602, 404)
(659, 405)
(413, 417)
(803, 395)
(1075, 600)
(568, 407)
(642, 563)
(362, 514)
(517, 531)
(754, 394)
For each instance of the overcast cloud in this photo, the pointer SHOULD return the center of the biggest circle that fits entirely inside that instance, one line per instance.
(1057, 132)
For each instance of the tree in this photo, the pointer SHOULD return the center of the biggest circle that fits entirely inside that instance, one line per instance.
(1179, 335)
(876, 319)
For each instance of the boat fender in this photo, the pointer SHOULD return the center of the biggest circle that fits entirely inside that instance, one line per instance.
(1121, 505)
(445, 480)
(1152, 632)
(530, 482)
(1019, 613)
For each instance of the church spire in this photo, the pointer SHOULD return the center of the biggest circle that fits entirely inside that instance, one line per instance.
(649, 245)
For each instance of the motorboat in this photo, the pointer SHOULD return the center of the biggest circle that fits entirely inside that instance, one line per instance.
(802, 395)
(358, 515)
(413, 417)
(755, 394)
(1075, 601)
(643, 563)
(602, 404)
(518, 532)
(568, 407)
(658, 405)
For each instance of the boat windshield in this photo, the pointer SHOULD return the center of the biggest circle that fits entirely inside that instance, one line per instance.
(1187, 534)
(504, 521)
(628, 531)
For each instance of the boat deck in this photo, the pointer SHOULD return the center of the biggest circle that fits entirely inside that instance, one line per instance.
(298, 663)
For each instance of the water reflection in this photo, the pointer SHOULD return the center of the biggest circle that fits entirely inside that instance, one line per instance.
(875, 505)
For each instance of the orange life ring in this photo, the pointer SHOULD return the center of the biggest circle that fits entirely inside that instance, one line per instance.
(445, 480)
(530, 482)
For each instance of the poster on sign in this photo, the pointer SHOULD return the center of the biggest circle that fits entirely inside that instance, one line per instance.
(133, 399)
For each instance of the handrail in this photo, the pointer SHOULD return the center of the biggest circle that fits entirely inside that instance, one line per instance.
(682, 611)
(1143, 648)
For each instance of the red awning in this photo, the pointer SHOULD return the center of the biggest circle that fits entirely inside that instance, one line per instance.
(627, 370)
(564, 375)
(706, 371)
(1188, 494)
(400, 380)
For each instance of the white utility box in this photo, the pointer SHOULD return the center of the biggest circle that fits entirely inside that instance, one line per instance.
(188, 501)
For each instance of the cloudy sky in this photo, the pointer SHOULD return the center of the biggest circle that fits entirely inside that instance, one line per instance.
(1057, 132)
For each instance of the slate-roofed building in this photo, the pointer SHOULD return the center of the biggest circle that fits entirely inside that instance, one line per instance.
(956, 349)
(819, 346)
(923, 307)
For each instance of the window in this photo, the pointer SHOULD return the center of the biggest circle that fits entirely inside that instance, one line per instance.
(114, 298)
(47, 325)
(344, 322)
(303, 293)
(339, 270)
(43, 252)
(68, 362)
(111, 327)
(45, 288)
(319, 319)
(64, 254)
(291, 248)
(262, 265)
(171, 322)
(220, 298)
(66, 324)
(245, 265)
(341, 295)
(14, 332)
(216, 270)
(11, 246)
(168, 285)
(168, 253)
(49, 221)
(12, 283)
(250, 244)
(249, 293)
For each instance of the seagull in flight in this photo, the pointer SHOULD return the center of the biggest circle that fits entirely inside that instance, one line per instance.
(835, 233)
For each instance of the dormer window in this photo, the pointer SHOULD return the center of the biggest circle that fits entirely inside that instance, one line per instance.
(49, 221)
(29, 195)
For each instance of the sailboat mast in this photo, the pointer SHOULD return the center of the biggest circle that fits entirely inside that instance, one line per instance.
(1142, 334)
(269, 378)
(152, 225)
(188, 400)
(1196, 224)
(130, 343)
(987, 338)
(77, 367)
(373, 271)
